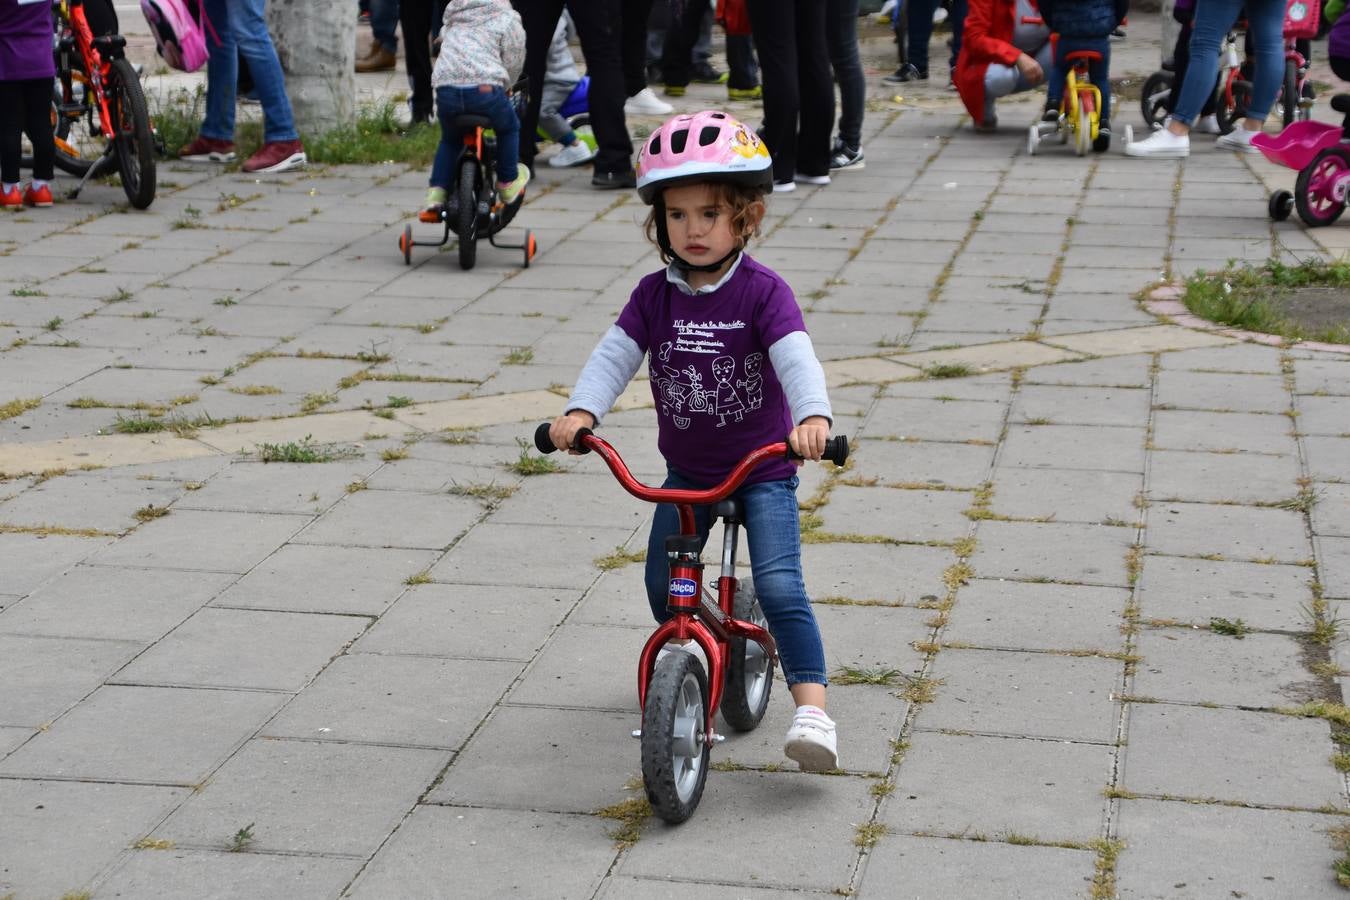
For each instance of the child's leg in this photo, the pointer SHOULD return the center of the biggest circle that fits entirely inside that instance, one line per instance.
(448, 105)
(11, 131)
(497, 107)
(37, 112)
(551, 99)
(665, 522)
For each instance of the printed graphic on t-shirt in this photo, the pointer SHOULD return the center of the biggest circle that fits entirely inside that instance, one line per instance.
(733, 386)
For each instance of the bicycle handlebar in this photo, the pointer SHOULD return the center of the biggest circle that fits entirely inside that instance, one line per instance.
(836, 451)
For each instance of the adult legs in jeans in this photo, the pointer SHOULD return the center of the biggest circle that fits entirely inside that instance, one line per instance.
(774, 543)
(1181, 60)
(242, 29)
(25, 106)
(841, 34)
(384, 18)
(1213, 19)
(1098, 71)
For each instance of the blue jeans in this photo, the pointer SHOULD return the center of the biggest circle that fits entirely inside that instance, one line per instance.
(242, 30)
(1098, 70)
(841, 31)
(493, 103)
(1213, 18)
(774, 540)
(384, 23)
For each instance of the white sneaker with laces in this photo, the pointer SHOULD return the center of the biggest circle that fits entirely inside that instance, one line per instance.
(1161, 144)
(1239, 139)
(1207, 125)
(645, 103)
(811, 740)
(574, 155)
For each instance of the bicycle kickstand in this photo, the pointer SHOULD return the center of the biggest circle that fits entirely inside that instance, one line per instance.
(98, 167)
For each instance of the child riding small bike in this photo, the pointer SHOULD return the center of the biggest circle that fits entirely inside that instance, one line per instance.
(1083, 29)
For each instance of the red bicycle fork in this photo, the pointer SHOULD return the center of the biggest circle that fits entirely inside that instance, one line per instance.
(694, 615)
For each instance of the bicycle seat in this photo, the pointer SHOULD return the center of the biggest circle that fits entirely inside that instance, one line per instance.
(1341, 103)
(731, 510)
(472, 120)
(1085, 55)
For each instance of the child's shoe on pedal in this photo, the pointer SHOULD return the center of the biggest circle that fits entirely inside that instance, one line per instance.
(1239, 139)
(811, 740)
(1102, 142)
(11, 197)
(39, 195)
(511, 191)
(435, 207)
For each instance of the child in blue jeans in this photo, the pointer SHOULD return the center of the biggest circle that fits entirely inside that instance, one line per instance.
(1082, 25)
(483, 45)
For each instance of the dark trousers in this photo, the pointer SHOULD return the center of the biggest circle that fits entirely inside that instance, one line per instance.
(598, 24)
(919, 23)
(798, 90)
(686, 22)
(26, 106)
(633, 45)
(841, 31)
(742, 70)
(957, 20)
(421, 21)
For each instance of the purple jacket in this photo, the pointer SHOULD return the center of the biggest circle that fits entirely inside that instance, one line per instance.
(1338, 41)
(26, 40)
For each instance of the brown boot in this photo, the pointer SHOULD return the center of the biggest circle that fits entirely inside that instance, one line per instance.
(379, 60)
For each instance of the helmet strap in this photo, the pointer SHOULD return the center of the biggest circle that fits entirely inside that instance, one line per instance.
(663, 242)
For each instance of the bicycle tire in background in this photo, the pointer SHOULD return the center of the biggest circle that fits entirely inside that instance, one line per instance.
(1289, 94)
(135, 148)
(1155, 97)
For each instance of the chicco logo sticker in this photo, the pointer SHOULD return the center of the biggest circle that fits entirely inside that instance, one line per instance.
(683, 587)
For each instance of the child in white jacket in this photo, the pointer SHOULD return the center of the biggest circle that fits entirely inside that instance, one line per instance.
(483, 50)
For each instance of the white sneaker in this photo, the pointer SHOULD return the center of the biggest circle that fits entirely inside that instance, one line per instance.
(1207, 125)
(574, 155)
(811, 740)
(645, 103)
(784, 187)
(811, 179)
(1161, 144)
(1239, 139)
(939, 16)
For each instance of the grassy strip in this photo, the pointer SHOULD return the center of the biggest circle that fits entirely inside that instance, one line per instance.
(1249, 297)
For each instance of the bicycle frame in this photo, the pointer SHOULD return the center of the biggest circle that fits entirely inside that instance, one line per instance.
(71, 14)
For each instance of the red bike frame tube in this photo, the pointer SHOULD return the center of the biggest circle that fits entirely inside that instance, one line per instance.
(93, 62)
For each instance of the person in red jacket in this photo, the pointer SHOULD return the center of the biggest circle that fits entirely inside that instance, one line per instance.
(1005, 48)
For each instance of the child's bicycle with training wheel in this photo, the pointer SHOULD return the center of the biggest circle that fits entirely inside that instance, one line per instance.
(679, 700)
(1079, 110)
(473, 209)
(99, 117)
(1321, 154)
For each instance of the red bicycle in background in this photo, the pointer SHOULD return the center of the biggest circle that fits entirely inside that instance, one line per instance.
(679, 700)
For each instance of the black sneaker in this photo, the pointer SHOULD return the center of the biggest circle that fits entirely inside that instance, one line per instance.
(1102, 142)
(704, 73)
(1051, 114)
(1118, 33)
(613, 180)
(845, 157)
(907, 72)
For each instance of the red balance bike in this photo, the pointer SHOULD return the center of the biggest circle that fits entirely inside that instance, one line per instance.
(679, 700)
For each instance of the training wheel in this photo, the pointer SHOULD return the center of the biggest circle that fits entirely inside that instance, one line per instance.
(1129, 135)
(531, 248)
(1033, 140)
(405, 244)
(1281, 205)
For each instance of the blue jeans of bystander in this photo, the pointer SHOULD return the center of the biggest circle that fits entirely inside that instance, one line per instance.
(242, 29)
(1213, 18)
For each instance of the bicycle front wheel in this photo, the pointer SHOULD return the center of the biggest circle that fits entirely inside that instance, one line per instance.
(135, 148)
(674, 747)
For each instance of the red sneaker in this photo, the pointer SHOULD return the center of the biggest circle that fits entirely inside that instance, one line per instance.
(205, 149)
(11, 199)
(40, 197)
(277, 156)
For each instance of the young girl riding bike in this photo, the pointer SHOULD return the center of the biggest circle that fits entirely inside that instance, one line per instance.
(708, 324)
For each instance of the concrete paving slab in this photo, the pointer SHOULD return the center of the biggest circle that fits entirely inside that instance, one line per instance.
(589, 757)
(1216, 477)
(278, 487)
(1322, 374)
(1007, 355)
(900, 575)
(1328, 458)
(1067, 495)
(939, 462)
(108, 603)
(479, 851)
(1324, 415)
(1074, 553)
(203, 540)
(1182, 849)
(42, 677)
(1222, 391)
(82, 501)
(965, 784)
(903, 417)
(909, 515)
(995, 388)
(1195, 590)
(1331, 514)
(1222, 432)
(393, 519)
(587, 666)
(1025, 616)
(1269, 759)
(821, 859)
(286, 789)
(1148, 339)
(1115, 448)
(28, 560)
(315, 578)
(560, 556)
(1022, 872)
(1334, 556)
(1040, 695)
(158, 735)
(1081, 405)
(247, 649)
(1260, 670)
(219, 875)
(1235, 532)
(11, 738)
(469, 621)
(57, 836)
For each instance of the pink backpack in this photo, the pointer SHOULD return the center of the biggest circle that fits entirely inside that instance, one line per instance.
(177, 27)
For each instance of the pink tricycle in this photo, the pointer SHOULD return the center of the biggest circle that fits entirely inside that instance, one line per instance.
(1322, 157)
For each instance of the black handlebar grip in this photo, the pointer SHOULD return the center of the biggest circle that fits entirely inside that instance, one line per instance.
(836, 450)
(542, 441)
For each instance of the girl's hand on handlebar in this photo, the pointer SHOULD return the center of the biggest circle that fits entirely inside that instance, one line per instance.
(1030, 69)
(808, 439)
(563, 431)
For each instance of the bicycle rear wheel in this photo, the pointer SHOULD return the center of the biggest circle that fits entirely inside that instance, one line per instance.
(1289, 94)
(135, 149)
(79, 143)
(467, 213)
(1153, 102)
(749, 669)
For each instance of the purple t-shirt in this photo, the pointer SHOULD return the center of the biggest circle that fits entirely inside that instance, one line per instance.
(717, 397)
(26, 40)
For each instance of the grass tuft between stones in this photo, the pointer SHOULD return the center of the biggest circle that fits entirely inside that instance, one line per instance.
(1308, 302)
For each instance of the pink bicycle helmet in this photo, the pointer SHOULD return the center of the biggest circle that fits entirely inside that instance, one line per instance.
(705, 146)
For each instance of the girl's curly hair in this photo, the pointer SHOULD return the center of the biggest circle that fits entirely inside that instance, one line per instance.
(746, 205)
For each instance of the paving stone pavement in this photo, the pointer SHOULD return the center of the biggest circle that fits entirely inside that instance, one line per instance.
(1095, 569)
